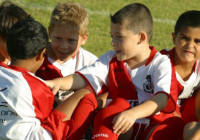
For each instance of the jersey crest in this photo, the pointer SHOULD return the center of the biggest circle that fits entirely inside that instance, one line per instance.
(148, 85)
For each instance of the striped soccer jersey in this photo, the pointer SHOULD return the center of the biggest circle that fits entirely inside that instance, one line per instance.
(26, 107)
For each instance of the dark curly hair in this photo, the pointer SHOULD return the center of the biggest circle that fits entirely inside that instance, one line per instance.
(26, 39)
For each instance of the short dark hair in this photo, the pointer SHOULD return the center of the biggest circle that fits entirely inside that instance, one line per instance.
(189, 18)
(9, 15)
(136, 17)
(26, 39)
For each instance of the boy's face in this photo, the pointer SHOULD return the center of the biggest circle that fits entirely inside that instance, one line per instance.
(124, 42)
(66, 41)
(187, 45)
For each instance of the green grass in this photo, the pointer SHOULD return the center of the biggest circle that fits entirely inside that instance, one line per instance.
(165, 13)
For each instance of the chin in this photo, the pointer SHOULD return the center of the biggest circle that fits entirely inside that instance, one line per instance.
(120, 58)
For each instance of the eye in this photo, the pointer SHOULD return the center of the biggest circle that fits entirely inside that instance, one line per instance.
(117, 37)
(58, 38)
(197, 41)
(72, 41)
(184, 38)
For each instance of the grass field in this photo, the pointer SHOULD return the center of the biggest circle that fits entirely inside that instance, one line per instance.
(165, 13)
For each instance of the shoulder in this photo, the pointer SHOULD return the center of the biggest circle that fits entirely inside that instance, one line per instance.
(13, 80)
(165, 51)
(86, 53)
(108, 54)
(161, 60)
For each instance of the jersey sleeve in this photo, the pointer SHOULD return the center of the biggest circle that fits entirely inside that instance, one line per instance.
(164, 80)
(86, 58)
(97, 73)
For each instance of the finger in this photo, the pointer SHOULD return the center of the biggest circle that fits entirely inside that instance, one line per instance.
(48, 83)
(126, 129)
(123, 127)
(55, 90)
(118, 126)
(116, 121)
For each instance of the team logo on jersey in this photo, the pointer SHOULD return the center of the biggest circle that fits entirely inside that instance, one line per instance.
(148, 85)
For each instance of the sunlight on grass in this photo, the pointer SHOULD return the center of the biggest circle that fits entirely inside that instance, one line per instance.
(165, 13)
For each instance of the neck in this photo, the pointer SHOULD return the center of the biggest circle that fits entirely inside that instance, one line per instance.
(184, 69)
(25, 64)
(139, 60)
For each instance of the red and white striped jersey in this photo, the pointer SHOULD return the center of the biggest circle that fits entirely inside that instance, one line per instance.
(186, 88)
(152, 78)
(52, 69)
(26, 107)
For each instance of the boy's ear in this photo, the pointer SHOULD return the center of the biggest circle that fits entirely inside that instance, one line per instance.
(84, 38)
(142, 37)
(41, 55)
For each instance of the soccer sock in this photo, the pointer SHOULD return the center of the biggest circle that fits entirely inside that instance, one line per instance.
(82, 117)
(103, 120)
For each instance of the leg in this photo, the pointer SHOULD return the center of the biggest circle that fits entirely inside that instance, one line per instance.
(82, 117)
(103, 120)
(171, 128)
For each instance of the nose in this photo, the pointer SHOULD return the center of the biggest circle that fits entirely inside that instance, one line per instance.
(64, 45)
(112, 43)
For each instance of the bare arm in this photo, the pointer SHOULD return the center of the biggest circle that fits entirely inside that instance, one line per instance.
(101, 99)
(71, 82)
(125, 120)
(68, 106)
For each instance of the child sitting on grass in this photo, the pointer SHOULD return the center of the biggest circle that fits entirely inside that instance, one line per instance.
(139, 79)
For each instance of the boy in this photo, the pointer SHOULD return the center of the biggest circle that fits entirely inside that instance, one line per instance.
(138, 77)
(185, 59)
(68, 31)
(9, 15)
(26, 103)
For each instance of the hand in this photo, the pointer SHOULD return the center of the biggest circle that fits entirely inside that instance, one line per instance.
(52, 84)
(123, 122)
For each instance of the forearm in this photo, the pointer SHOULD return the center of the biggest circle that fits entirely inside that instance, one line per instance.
(76, 82)
(68, 106)
(71, 82)
(149, 107)
(101, 99)
(125, 120)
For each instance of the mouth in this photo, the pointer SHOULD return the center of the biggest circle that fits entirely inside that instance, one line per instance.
(188, 51)
(117, 51)
(63, 54)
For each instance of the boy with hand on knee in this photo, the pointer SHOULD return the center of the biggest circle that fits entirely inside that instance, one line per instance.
(138, 78)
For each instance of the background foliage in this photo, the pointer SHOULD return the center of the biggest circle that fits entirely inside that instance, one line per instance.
(165, 14)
